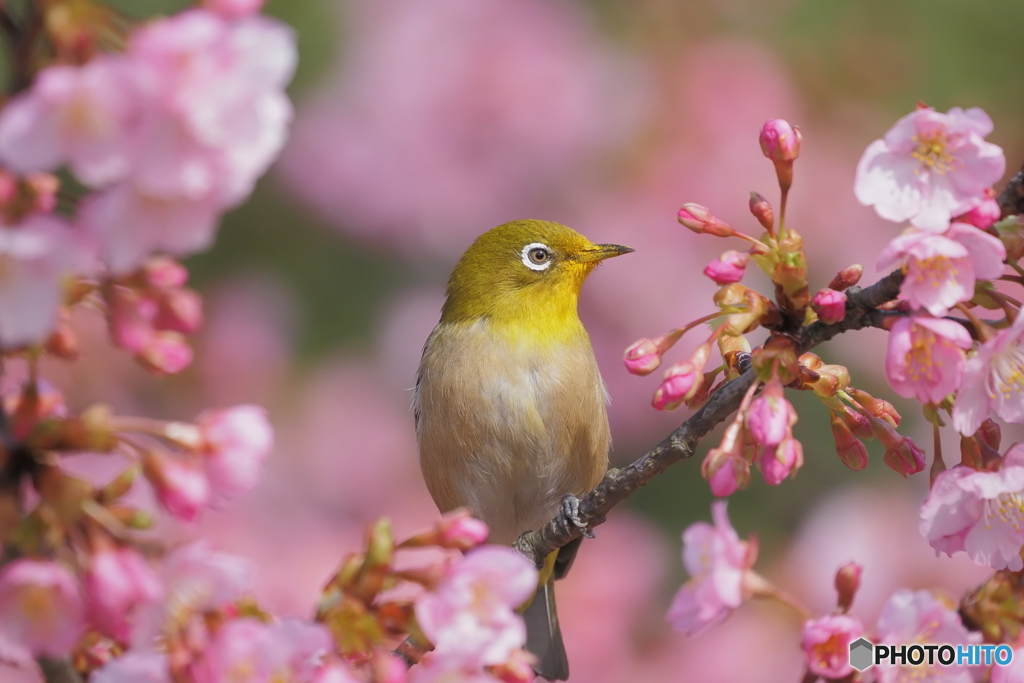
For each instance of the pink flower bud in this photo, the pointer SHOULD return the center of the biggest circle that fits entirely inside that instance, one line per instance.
(847, 277)
(181, 486)
(130, 317)
(181, 310)
(233, 9)
(41, 610)
(762, 211)
(902, 455)
(699, 219)
(826, 643)
(167, 354)
(783, 461)
(236, 441)
(117, 582)
(985, 214)
(850, 449)
(847, 584)
(876, 407)
(728, 268)
(681, 380)
(770, 416)
(780, 141)
(725, 468)
(163, 272)
(642, 357)
(830, 306)
(461, 531)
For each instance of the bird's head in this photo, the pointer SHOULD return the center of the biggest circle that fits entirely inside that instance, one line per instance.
(525, 272)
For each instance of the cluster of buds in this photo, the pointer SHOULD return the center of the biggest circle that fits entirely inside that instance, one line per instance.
(150, 311)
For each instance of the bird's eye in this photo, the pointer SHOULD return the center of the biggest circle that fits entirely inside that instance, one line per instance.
(536, 256)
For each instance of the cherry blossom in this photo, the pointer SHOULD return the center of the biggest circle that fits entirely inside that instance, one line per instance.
(248, 649)
(235, 441)
(979, 512)
(35, 259)
(826, 644)
(41, 610)
(925, 357)
(921, 617)
(930, 167)
(781, 462)
(717, 561)
(941, 269)
(993, 380)
(771, 417)
(470, 617)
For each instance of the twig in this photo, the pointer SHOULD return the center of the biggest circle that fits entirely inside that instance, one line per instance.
(58, 671)
(619, 484)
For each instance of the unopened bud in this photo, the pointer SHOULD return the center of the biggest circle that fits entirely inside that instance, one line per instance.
(830, 305)
(167, 353)
(876, 407)
(63, 343)
(762, 211)
(990, 433)
(847, 277)
(985, 214)
(180, 310)
(780, 141)
(457, 529)
(728, 268)
(847, 584)
(162, 273)
(699, 219)
(902, 455)
(850, 449)
(642, 357)
(682, 381)
(707, 386)
(970, 452)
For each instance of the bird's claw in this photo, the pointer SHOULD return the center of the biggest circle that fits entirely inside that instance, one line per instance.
(571, 512)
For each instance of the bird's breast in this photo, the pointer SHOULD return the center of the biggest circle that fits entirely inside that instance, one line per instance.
(507, 427)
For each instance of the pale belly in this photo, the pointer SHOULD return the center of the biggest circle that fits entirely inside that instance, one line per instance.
(508, 431)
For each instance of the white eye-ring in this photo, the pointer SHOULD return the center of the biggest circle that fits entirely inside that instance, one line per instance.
(536, 256)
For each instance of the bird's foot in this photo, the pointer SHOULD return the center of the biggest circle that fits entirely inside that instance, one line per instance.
(571, 512)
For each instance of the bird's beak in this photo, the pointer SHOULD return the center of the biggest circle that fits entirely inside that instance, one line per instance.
(599, 252)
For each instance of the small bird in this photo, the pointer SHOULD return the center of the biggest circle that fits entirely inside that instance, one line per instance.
(509, 403)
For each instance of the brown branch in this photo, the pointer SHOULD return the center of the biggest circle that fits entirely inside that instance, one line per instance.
(58, 671)
(619, 484)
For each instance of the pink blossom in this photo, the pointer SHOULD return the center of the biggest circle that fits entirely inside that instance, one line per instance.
(826, 643)
(81, 116)
(717, 561)
(830, 305)
(135, 666)
(780, 141)
(925, 357)
(920, 617)
(196, 580)
(728, 268)
(262, 653)
(941, 269)
(725, 467)
(181, 485)
(993, 380)
(41, 610)
(930, 167)
(979, 512)
(35, 259)
(232, 9)
(470, 617)
(770, 417)
(782, 461)
(118, 581)
(235, 443)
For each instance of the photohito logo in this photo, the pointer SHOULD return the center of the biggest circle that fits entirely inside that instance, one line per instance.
(863, 653)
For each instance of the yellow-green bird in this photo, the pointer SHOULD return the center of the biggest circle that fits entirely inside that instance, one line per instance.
(509, 402)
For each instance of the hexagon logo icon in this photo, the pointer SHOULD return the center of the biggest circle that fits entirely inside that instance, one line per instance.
(860, 653)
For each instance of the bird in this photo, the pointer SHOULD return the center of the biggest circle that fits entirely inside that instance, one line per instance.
(509, 404)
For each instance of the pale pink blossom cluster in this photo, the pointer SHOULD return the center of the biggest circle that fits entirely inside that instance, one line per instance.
(169, 134)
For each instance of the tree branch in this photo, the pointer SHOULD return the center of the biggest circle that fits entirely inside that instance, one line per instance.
(58, 671)
(619, 484)
(1011, 199)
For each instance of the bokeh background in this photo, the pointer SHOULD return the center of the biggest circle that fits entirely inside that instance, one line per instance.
(422, 124)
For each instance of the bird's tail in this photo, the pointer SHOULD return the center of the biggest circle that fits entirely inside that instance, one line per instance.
(543, 635)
